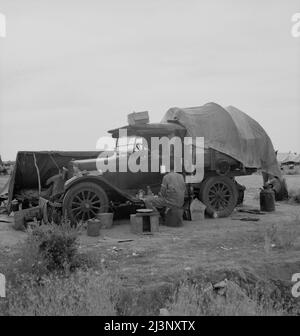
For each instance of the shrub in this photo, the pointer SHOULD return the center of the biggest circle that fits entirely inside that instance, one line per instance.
(57, 246)
(48, 248)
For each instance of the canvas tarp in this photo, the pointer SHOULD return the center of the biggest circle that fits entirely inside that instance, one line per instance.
(230, 131)
(24, 175)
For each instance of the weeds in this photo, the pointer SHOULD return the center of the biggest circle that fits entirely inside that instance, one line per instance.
(282, 236)
(195, 300)
(49, 277)
(80, 293)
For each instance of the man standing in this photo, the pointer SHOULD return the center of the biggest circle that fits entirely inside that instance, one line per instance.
(171, 193)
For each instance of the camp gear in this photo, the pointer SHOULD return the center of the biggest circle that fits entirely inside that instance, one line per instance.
(106, 219)
(93, 227)
(197, 209)
(267, 199)
(174, 217)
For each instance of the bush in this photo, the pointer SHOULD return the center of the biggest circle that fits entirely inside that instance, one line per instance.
(78, 294)
(48, 248)
(57, 246)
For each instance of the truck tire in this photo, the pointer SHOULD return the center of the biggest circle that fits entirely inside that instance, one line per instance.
(219, 194)
(83, 201)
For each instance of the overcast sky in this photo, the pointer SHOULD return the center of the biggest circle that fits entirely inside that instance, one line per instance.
(72, 69)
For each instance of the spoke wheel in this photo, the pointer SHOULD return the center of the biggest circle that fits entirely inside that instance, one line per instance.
(84, 201)
(219, 194)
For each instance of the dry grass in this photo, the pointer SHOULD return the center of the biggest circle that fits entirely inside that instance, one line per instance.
(81, 293)
(193, 300)
(281, 236)
(49, 277)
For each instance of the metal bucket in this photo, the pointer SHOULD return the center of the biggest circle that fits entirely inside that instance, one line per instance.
(106, 219)
(267, 200)
(93, 228)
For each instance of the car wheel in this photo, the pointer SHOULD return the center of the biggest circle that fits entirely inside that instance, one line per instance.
(219, 194)
(84, 201)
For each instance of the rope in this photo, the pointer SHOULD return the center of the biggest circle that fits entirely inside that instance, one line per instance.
(38, 174)
(54, 162)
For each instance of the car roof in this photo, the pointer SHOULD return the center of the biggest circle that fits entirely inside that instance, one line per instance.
(153, 129)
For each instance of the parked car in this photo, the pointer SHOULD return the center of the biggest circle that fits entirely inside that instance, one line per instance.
(89, 192)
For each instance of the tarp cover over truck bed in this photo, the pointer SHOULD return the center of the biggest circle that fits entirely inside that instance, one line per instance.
(230, 131)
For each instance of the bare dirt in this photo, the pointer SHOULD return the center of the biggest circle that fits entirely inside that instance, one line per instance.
(209, 245)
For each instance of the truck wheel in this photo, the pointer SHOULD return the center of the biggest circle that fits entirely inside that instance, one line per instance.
(219, 194)
(83, 201)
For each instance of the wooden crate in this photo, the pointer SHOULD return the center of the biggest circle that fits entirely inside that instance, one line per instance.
(144, 223)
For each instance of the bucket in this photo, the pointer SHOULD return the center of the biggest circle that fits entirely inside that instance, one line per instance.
(197, 210)
(106, 219)
(14, 205)
(93, 227)
(267, 200)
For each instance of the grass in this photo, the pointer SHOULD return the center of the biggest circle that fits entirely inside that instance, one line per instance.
(282, 236)
(195, 300)
(294, 195)
(81, 293)
(49, 277)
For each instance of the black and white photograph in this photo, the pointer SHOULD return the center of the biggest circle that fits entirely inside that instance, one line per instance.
(149, 161)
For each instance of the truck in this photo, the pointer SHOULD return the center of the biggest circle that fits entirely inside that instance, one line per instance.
(89, 191)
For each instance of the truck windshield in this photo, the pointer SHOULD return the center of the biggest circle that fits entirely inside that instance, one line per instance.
(130, 144)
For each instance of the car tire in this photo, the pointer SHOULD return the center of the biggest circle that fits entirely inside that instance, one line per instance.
(219, 194)
(84, 201)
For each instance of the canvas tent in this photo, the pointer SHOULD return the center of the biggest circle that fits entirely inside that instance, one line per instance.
(230, 131)
(24, 175)
(290, 158)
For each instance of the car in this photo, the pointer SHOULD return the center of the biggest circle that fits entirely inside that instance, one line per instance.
(91, 191)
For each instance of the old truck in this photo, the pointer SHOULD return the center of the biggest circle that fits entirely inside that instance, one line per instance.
(90, 191)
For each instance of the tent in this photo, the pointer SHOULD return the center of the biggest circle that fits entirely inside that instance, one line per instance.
(24, 175)
(230, 131)
(297, 159)
(290, 158)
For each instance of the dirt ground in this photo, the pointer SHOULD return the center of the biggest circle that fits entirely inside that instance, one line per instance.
(210, 244)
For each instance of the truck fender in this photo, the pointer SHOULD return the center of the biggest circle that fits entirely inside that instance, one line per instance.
(112, 191)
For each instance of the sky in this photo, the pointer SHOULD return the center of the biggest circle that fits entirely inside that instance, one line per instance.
(72, 69)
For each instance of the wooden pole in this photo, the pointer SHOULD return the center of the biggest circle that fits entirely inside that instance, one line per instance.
(38, 174)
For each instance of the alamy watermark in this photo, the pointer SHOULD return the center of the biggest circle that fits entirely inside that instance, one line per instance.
(2, 25)
(2, 286)
(296, 286)
(136, 154)
(295, 31)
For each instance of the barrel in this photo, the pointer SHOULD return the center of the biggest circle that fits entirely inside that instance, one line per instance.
(106, 219)
(93, 227)
(267, 200)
